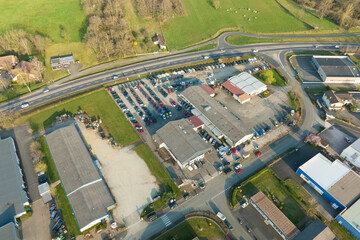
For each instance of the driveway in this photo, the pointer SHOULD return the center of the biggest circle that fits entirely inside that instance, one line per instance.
(38, 225)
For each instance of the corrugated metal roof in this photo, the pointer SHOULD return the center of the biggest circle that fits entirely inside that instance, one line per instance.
(275, 215)
(12, 195)
(347, 189)
(247, 83)
(83, 185)
(352, 215)
(323, 171)
(9, 232)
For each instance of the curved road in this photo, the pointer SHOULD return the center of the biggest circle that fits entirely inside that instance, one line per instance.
(217, 190)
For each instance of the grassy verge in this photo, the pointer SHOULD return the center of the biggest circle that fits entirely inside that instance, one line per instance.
(294, 101)
(16, 90)
(98, 104)
(51, 173)
(194, 227)
(243, 40)
(280, 80)
(66, 211)
(206, 47)
(157, 169)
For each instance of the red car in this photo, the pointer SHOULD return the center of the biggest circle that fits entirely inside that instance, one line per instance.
(258, 153)
(140, 130)
(234, 150)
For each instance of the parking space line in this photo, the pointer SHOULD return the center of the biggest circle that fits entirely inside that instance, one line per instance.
(166, 220)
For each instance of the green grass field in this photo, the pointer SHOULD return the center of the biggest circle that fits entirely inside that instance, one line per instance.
(43, 16)
(203, 21)
(280, 81)
(267, 182)
(308, 16)
(66, 211)
(98, 104)
(194, 227)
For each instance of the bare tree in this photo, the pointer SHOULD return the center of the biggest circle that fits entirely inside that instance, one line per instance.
(3, 82)
(324, 7)
(7, 119)
(38, 69)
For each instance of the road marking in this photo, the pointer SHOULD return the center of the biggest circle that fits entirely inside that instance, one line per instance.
(166, 220)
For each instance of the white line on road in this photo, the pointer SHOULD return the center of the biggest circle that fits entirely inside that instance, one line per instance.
(166, 220)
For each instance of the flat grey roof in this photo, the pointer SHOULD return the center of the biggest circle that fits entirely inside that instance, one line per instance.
(9, 232)
(347, 189)
(222, 118)
(12, 195)
(337, 66)
(86, 190)
(181, 139)
(316, 230)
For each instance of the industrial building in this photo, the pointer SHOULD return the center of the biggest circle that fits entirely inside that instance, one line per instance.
(220, 121)
(13, 198)
(243, 86)
(317, 230)
(182, 142)
(350, 219)
(274, 216)
(10, 232)
(352, 153)
(335, 181)
(85, 189)
(335, 100)
(336, 69)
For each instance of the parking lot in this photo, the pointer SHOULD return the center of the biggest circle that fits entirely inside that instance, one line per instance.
(305, 68)
(151, 103)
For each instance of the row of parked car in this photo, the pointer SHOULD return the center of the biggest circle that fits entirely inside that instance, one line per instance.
(126, 111)
(58, 228)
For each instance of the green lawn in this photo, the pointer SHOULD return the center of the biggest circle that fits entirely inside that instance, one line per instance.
(43, 16)
(203, 21)
(267, 182)
(51, 173)
(194, 227)
(161, 175)
(17, 90)
(206, 47)
(294, 101)
(280, 81)
(308, 16)
(97, 103)
(64, 206)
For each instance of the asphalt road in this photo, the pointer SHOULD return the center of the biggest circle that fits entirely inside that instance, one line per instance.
(213, 198)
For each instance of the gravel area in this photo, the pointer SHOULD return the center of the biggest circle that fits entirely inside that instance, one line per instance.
(127, 175)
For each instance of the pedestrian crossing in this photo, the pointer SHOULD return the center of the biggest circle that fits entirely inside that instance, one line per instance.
(166, 220)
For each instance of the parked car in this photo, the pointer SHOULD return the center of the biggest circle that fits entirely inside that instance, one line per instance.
(243, 203)
(258, 153)
(347, 140)
(221, 216)
(201, 185)
(228, 224)
(227, 170)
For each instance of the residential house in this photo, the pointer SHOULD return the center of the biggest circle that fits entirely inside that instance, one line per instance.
(23, 68)
(336, 100)
(8, 62)
(159, 40)
(62, 62)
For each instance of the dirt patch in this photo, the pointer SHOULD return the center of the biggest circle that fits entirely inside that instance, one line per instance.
(128, 177)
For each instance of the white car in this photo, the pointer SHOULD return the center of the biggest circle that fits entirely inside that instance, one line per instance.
(25, 105)
(189, 167)
(221, 216)
(45, 90)
(255, 50)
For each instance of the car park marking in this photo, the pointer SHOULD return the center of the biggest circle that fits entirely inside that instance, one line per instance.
(166, 220)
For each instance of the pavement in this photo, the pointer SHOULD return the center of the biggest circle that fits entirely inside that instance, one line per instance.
(38, 225)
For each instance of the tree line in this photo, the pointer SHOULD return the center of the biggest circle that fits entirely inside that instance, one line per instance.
(346, 13)
(159, 9)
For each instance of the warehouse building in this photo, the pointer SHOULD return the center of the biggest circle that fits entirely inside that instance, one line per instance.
(220, 121)
(243, 86)
(350, 219)
(352, 153)
(274, 216)
(335, 181)
(182, 142)
(336, 69)
(13, 198)
(85, 189)
(10, 232)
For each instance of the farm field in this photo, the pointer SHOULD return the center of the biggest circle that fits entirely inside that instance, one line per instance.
(203, 20)
(45, 17)
(97, 104)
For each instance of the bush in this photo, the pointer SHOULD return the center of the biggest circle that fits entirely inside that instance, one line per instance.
(216, 4)
(268, 76)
